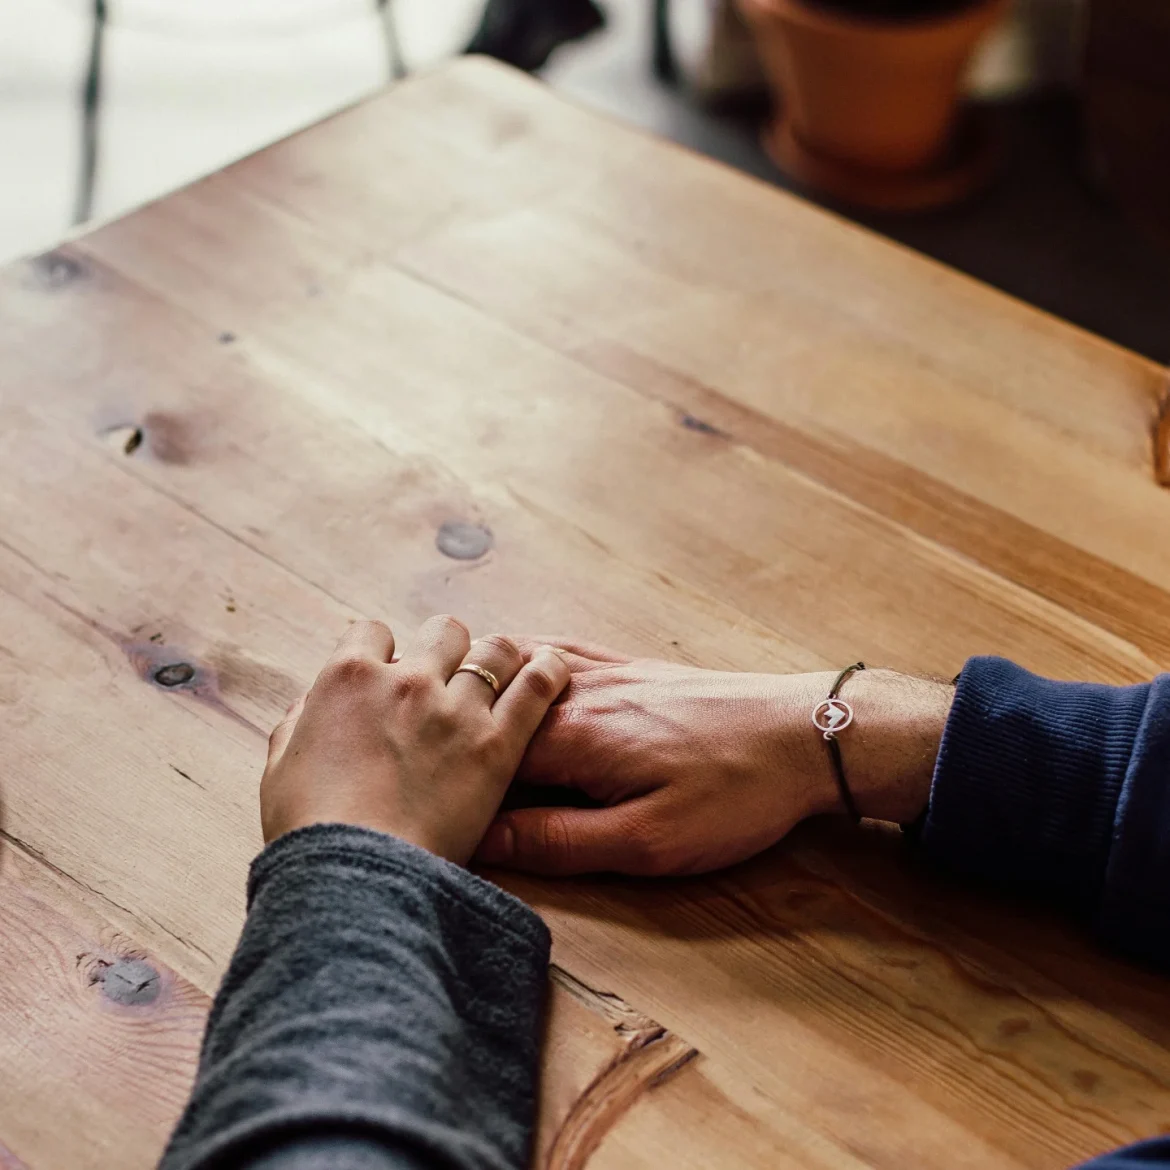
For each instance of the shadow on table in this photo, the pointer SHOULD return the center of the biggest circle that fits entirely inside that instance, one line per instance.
(854, 915)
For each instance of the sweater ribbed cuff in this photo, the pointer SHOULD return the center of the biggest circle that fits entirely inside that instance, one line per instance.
(379, 997)
(366, 849)
(1028, 779)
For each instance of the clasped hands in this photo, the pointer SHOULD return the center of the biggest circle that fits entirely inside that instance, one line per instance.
(690, 769)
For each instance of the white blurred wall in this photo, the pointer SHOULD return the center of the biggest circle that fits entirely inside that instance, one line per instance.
(189, 85)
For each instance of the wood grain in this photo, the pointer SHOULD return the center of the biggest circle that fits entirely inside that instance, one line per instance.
(684, 414)
(603, 1058)
(99, 1040)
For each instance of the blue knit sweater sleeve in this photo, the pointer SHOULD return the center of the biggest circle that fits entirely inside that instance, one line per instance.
(1061, 789)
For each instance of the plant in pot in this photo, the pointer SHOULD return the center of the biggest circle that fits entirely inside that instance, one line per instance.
(868, 95)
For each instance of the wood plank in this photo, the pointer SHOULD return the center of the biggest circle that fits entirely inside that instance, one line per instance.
(686, 411)
(603, 1059)
(545, 296)
(1063, 451)
(793, 543)
(105, 466)
(146, 512)
(877, 1030)
(99, 1039)
(707, 273)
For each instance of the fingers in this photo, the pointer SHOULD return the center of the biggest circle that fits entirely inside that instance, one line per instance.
(590, 653)
(560, 842)
(282, 732)
(497, 655)
(568, 749)
(438, 648)
(370, 640)
(535, 688)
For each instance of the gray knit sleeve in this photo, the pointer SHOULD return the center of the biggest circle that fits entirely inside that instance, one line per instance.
(382, 1010)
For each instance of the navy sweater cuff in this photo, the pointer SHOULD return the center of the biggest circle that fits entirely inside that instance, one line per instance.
(1054, 788)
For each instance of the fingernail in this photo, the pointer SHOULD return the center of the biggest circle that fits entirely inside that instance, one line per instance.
(498, 843)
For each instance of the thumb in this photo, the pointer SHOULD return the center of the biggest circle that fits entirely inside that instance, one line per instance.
(564, 841)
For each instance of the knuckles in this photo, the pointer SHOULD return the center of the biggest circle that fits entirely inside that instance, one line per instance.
(500, 642)
(347, 674)
(411, 685)
(502, 647)
(373, 626)
(446, 621)
(539, 682)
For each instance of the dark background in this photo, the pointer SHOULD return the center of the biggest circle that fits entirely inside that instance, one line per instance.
(1046, 231)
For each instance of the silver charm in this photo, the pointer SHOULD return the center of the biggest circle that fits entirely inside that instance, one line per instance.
(831, 716)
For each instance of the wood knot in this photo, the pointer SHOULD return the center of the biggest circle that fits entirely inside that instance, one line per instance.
(130, 982)
(701, 426)
(55, 270)
(126, 438)
(157, 435)
(174, 674)
(463, 541)
(1014, 1026)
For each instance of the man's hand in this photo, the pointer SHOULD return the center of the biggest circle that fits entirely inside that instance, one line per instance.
(698, 769)
(411, 748)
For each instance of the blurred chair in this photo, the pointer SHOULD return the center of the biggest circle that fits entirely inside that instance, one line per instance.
(108, 103)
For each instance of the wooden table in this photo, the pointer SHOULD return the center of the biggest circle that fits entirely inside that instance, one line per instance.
(663, 406)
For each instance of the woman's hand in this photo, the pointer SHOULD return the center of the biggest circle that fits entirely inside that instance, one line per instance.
(411, 748)
(698, 769)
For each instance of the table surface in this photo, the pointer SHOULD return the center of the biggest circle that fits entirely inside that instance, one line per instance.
(692, 417)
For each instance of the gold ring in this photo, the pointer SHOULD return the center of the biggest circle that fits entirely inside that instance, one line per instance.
(481, 672)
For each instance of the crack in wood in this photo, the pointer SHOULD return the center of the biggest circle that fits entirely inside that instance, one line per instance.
(188, 777)
(152, 484)
(181, 939)
(141, 919)
(650, 1055)
(35, 855)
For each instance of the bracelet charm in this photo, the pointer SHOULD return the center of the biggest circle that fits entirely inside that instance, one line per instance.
(831, 716)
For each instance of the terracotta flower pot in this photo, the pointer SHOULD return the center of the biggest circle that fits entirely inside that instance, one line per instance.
(875, 94)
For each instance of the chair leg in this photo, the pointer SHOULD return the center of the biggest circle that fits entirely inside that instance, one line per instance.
(525, 32)
(665, 66)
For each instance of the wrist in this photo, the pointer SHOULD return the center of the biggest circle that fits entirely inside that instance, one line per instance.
(331, 808)
(889, 751)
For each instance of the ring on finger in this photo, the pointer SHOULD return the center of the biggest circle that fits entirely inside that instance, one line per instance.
(481, 672)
